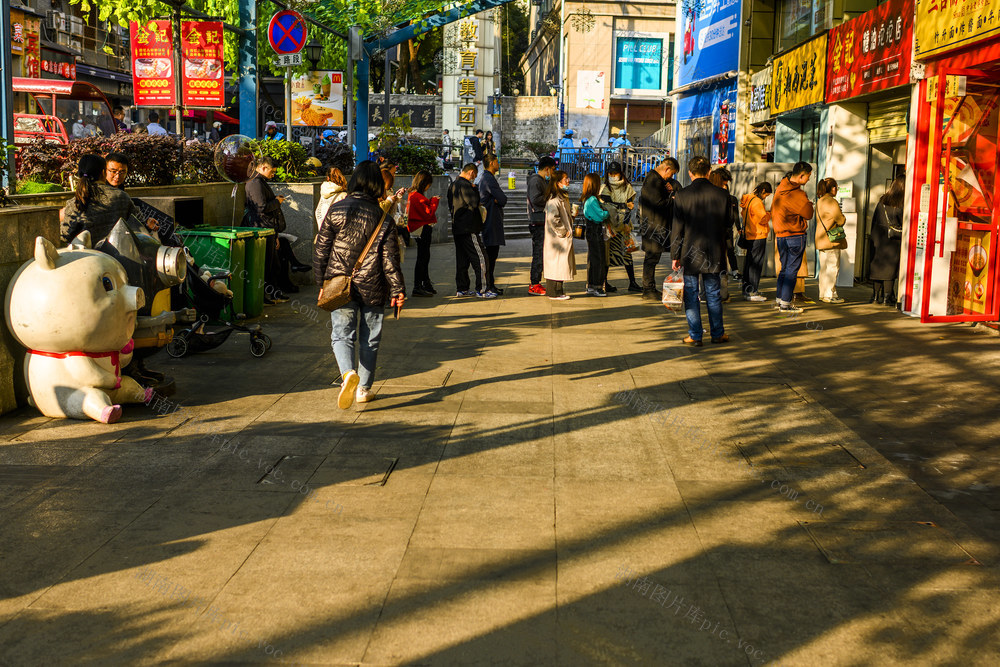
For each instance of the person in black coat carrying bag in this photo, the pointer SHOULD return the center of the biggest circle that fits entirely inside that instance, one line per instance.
(701, 221)
(493, 199)
(656, 201)
(538, 189)
(886, 240)
(466, 226)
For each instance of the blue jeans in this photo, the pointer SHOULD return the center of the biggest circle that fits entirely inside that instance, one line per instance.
(790, 251)
(345, 323)
(713, 299)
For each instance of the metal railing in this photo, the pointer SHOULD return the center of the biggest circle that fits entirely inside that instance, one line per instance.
(636, 161)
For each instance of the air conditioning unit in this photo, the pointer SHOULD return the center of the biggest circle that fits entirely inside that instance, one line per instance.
(76, 25)
(55, 20)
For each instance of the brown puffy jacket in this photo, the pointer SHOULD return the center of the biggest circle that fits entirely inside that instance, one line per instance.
(829, 215)
(348, 225)
(791, 209)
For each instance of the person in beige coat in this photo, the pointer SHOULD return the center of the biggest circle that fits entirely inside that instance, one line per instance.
(559, 261)
(829, 217)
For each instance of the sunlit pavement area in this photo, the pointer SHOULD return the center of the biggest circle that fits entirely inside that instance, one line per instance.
(537, 482)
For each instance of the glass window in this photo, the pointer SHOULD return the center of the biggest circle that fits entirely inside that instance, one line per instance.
(801, 19)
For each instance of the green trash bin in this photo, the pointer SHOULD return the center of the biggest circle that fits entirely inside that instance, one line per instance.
(223, 248)
(256, 257)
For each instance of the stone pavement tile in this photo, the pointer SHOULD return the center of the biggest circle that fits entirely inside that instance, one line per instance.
(407, 426)
(32, 453)
(830, 623)
(305, 406)
(659, 625)
(78, 432)
(464, 511)
(472, 564)
(400, 497)
(109, 634)
(515, 445)
(361, 468)
(257, 443)
(584, 452)
(20, 421)
(501, 622)
(398, 399)
(266, 472)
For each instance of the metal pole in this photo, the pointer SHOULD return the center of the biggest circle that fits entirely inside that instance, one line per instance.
(388, 89)
(7, 97)
(178, 102)
(248, 68)
(563, 43)
(348, 100)
(288, 104)
(364, 65)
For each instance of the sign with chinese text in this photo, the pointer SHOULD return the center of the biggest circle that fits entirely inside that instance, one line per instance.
(760, 96)
(799, 77)
(31, 62)
(466, 115)
(64, 69)
(420, 115)
(589, 89)
(288, 60)
(943, 25)
(152, 64)
(202, 79)
(870, 52)
(318, 99)
(16, 32)
(708, 38)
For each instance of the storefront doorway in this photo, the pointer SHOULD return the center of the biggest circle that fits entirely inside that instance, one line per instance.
(954, 199)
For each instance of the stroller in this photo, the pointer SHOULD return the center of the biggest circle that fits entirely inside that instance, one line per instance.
(209, 304)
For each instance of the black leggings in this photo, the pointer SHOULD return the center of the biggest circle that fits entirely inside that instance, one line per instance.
(597, 263)
(421, 272)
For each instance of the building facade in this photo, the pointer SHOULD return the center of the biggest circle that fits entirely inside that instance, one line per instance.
(470, 87)
(608, 64)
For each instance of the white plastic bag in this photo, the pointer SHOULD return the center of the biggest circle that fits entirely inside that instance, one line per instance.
(673, 290)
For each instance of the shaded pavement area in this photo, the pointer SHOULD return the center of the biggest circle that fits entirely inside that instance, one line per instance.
(537, 482)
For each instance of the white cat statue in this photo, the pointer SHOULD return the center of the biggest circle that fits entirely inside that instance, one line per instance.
(75, 312)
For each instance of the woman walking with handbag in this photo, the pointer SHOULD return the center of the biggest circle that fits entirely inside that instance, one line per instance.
(887, 238)
(596, 218)
(559, 259)
(619, 194)
(830, 239)
(357, 262)
(756, 218)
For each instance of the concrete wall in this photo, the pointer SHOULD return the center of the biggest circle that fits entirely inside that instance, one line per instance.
(417, 103)
(847, 163)
(19, 226)
(527, 118)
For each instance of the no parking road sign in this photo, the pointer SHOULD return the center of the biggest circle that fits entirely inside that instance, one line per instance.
(287, 32)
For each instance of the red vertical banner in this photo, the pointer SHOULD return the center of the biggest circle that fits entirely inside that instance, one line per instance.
(152, 64)
(202, 76)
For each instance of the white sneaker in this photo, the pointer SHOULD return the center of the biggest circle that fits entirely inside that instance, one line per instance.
(756, 298)
(363, 395)
(346, 397)
(561, 297)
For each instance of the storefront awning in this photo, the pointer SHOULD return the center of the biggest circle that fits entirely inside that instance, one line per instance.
(102, 73)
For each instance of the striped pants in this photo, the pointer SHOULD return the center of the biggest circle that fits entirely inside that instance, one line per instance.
(469, 251)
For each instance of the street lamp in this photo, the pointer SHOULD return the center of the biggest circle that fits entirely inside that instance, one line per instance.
(314, 52)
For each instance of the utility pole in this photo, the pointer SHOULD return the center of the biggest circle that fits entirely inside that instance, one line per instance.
(178, 63)
(7, 95)
(248, 68)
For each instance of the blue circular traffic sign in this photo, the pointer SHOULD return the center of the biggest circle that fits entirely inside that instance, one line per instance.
(287, 32)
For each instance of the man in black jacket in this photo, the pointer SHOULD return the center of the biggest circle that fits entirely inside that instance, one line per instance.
(466, 225)
(701, 220)
(493, 199)
(538, 187)
(655, 201)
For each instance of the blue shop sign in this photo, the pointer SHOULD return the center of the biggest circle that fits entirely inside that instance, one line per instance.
(710, 118)
(639, 63)
(708, 39)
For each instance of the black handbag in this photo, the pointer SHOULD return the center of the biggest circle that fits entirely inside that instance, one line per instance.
(891, 232)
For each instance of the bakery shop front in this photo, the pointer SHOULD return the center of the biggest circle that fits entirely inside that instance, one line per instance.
(948, 269)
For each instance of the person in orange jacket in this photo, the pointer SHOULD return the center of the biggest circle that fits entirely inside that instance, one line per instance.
(755, 229)
(791, 212)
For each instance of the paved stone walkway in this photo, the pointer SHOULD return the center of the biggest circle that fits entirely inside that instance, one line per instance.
(537, 482)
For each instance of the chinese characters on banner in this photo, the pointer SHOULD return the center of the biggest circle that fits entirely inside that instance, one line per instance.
(468, 34)
(152, 64)
(16, 32)
(760, 96)
(871, 52)
(799, 77)
(708, 36)
(942, 25)
(65, 70)
(31, 62)
(201, 52)
(419, 115)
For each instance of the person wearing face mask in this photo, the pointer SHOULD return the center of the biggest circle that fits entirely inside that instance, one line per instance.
(656, 207)
(560, 260)
(755, 228)
(538, 188)
(493, 199)
(791, 211)
(618, 196)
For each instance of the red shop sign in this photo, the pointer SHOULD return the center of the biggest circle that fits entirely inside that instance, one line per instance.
(871, 52)
(203, 74)
(152, 64)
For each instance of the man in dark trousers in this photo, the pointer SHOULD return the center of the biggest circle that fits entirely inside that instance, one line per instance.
(538, 187)
(493, 199)
(655, 202)
(466, 225)
(701, 220)
(476, 143)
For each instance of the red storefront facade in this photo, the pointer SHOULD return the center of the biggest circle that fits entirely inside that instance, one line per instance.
(949, 270)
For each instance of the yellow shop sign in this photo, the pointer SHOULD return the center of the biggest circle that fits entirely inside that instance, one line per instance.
(799, 77)
(943, 25)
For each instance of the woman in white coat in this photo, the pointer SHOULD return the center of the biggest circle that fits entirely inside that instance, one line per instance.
(559, 262)
(334, 189)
